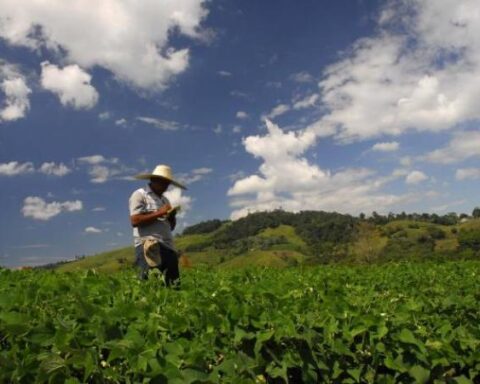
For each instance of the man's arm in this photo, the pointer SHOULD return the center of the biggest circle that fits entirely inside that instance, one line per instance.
(142, 219)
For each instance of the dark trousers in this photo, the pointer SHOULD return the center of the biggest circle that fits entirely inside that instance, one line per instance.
(168, 266)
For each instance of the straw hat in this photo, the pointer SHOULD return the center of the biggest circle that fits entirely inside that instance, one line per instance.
(151, 251)
(163, 171)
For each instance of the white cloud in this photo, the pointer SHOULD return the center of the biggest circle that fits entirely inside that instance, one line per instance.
(195, 175)
(176, 197)
(400, 172)
(237, 129)
(242, 115)
(39, 209)
(99, 209)
(101, 169)
(421, 71)
(302, 77)
(288, 180)
(92, 230)
(130, 39)
(236, 176)
(54, 169)
(100, 174)
(14, 168)
(218, 129)
(13, 85)
(467, 173)
(386, 147)
(224, 73)
(277, 111)
(448, 206)
(121, 122)
(240, 94)
(307, 102)
(104, 115)
(406, 161)
(71, 84)
(463, 146)
(97, 159)
(415, 177)
(164, 125)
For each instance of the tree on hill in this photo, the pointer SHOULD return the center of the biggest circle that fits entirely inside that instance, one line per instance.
(476, 212)
(203, 227)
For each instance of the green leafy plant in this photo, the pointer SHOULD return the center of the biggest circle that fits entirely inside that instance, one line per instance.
(407, 323)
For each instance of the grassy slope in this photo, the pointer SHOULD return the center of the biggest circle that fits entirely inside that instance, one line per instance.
(269, 258)
(105, 262)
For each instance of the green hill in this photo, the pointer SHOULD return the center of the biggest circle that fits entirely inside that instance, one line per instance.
(282, 239)
(105, 262)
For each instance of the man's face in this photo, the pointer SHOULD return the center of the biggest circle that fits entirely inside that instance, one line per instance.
(159, 185)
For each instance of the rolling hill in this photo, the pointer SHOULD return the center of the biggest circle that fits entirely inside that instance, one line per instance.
(281, 239)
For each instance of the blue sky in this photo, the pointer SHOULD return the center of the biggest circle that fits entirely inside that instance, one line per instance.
(348, 106)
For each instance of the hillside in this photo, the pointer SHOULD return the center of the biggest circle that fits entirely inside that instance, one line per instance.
(282, 239)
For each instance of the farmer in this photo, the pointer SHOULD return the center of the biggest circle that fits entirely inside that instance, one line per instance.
(153, 220)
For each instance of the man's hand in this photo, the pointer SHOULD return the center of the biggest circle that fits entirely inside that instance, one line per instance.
(148, 218)
(163, 211)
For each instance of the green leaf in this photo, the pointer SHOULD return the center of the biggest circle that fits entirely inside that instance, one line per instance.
(51, 363)
(420, 374)
(275, 371)
(463, 380)
(15, 323)
(406, 336)
(193, 375)
(355, 373)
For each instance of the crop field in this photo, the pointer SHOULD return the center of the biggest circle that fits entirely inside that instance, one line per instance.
(395, 323)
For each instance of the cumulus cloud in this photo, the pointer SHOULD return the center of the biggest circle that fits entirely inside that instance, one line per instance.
(467, 173)
(130, 39)
(104, 115)
(224, 73)
(241, 115)
(121, 122)
(195, 175)
(14, 168)
(463, 146)
(102, 169)
(386, 147)
(288, 180)
(176, 197)
(92, 230)
(13, 85)
(415, 177)
(97, 159)
(38, 209)
(164, 125)
(302, 77)
(277, 111)
(54, 169)
(71, 84)
(421, 71)
(406, 161)
(306, 102)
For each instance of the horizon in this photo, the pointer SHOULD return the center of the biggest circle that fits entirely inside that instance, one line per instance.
(335, 105)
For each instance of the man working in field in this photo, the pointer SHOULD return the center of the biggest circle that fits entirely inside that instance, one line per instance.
(153, 220)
